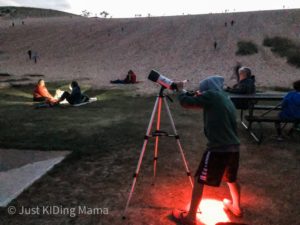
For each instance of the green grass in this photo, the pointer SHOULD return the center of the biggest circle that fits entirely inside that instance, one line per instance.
(106, 137)
(88, 127)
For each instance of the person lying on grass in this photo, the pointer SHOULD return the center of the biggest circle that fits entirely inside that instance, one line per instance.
(41, 93)
(75, 97)
(221, 158)
(130, 79)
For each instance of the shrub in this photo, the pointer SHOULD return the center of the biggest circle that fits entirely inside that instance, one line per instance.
(279, 45)
(285, 48)
(277, 42)
(268, 42)
(246, 48)
(294, 59)
(5, 10)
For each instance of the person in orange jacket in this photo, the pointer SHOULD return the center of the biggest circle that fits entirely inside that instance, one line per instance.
(41, 93)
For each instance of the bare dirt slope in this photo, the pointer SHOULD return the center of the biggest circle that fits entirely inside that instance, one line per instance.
(180, 47)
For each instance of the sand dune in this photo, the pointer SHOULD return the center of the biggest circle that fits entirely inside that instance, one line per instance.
(180, 47)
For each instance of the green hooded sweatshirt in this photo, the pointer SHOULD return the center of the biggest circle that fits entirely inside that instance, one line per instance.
(219, 114)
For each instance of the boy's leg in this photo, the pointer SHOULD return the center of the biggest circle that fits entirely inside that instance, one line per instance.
(190, 216)
(230, 176)
(196, 199)
(235, 192)
(209, 172)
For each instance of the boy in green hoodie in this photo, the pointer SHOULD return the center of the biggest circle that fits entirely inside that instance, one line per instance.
(221, 159)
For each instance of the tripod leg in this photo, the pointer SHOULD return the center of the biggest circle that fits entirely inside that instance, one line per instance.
(141, 157)
(178, 143)
(157, 138)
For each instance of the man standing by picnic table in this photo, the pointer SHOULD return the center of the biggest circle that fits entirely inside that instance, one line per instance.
(221, 158)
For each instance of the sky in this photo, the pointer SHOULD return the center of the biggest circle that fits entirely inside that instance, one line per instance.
(130, 8)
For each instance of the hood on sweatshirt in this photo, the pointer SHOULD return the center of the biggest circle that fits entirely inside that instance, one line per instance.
(212, 83)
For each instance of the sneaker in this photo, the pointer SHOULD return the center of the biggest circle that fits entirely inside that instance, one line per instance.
(228, 206)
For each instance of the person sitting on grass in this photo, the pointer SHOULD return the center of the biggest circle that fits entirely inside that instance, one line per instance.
(291, 104)
(41, 93)
(245, 85)
(75, 97)
(221, 158)
(130, 79)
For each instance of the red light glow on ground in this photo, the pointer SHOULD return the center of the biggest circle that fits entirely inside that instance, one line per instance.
(212, 212)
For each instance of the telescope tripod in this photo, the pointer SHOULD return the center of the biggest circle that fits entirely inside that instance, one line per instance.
(161, 98)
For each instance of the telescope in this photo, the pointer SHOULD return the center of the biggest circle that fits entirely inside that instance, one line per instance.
(162, 80)
(161, 99)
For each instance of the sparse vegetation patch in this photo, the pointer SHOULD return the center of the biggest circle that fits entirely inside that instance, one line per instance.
(33, 75)
(246, 48)
(284, 47)
(22, 12)
(4, 75)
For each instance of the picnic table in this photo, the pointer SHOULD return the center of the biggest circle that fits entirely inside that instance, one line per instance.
(262, 102)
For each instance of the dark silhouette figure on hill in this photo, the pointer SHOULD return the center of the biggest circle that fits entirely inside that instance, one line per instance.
(23, 23)
(34, 56)
(13, 24)
(215, 45)
(232, 22)
(29, 52)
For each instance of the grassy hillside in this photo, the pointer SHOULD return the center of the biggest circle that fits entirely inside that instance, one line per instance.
(23, 12)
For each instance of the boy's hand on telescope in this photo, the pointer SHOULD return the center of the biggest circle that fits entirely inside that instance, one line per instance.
(179, 85)
(198, 93)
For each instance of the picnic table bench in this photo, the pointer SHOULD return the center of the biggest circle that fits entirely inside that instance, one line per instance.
(253, 105)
